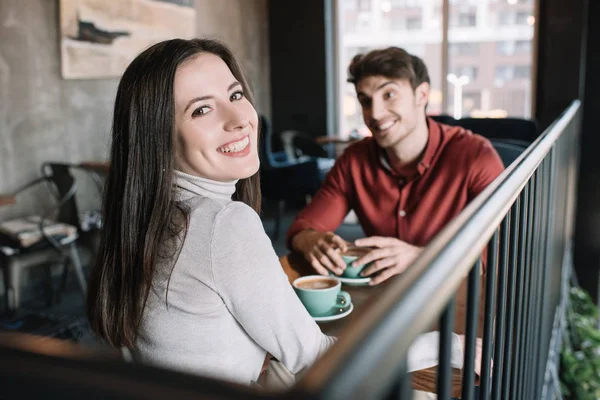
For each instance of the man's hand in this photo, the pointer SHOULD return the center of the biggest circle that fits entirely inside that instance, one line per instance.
(390, 257)
(321, 250)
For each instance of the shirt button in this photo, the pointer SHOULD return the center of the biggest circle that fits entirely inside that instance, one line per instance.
(402, 213)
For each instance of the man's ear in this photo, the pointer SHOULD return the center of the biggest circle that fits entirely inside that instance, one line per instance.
(422, 94)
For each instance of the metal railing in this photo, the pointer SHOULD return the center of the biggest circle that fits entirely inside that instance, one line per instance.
(524, 219)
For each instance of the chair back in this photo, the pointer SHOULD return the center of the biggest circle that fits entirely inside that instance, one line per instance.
(264, 141)
(502, 128)
(302, 144)
(65, 184)
(509, 149)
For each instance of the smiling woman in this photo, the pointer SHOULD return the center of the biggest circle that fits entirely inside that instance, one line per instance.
(217, 131)
(186, 277)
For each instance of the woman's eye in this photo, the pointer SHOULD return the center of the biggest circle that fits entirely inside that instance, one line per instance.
(236, 95)
(388, 95)
(200, 111)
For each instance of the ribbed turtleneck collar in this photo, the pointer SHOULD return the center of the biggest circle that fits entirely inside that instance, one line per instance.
(195, 185)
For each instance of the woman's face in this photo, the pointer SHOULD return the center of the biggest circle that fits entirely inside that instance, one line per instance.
(216, 125)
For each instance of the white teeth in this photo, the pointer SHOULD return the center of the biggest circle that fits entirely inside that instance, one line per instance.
(235, 147)
(386, 125)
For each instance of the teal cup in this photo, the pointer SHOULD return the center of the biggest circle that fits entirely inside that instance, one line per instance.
(350, 271)
(351, 255)
(320, 295)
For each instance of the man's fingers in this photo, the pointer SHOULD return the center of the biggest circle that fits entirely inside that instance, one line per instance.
(339, 243)
(379, 265)
(321, 270)
(376, 241)
(375, 255)
(382, 276)
(334, 256)
(325, 261)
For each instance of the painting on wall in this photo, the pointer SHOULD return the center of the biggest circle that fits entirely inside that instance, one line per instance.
(99, 38)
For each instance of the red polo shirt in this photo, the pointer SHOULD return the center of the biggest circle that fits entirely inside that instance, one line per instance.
(413, 205)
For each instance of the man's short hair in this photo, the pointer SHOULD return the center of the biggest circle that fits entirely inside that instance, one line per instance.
(391, 62)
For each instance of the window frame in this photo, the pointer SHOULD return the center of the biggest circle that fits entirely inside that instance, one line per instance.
(337, 71)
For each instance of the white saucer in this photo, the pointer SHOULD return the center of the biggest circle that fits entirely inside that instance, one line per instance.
(353, 281)
(336, 314)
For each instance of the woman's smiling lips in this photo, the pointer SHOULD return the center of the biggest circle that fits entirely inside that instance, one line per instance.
(236, 148)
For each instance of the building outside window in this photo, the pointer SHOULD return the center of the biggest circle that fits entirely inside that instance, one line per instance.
(489, 42)
(464, 49)
(466, 19)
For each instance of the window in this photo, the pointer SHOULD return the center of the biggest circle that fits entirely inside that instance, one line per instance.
(363, 5)
(522, 72)
(471, 101)
(466, 19)
(490, 42)
(506, 18)
(504, 73)
(513, 47)
(463, 49)
(468, 71)
(522, 46)
(413, 24)
(505, 47)
(522, 18)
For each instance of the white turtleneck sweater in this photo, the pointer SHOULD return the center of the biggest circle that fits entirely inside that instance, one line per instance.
(229, 301)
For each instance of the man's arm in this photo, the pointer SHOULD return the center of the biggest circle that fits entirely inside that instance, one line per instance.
(311, 232)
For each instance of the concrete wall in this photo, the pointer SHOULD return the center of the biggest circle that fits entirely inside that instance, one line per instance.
(242, 25)
(43, 117)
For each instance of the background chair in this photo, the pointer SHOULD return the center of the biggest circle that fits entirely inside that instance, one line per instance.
(283, 179)
(49, 249)
(509, 136)
(523, 129)
(302, 145)
(509, 149)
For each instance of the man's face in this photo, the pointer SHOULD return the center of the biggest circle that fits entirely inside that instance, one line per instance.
(390, 107)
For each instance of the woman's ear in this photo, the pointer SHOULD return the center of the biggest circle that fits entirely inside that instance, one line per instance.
(422, 94)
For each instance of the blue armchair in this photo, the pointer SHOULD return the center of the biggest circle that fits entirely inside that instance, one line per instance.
(285, 180)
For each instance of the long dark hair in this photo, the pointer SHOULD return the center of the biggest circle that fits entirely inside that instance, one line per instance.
(141, 213)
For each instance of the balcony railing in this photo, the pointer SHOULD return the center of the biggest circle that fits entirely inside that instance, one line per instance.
(524, 219)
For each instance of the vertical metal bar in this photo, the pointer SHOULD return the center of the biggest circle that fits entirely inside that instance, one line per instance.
(444, 374)
(501, 306)
(473, 290)
(402, 388)
(490, 287)
(510, 307)
(534, 345)
(536, 267)
(516, 362)
(526, 273)
(522, 382)
(549, 227)
(542, 266)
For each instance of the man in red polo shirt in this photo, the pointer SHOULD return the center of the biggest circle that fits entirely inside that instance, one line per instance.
(405, 183)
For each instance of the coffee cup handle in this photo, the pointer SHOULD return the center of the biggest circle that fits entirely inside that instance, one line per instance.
(343, 299)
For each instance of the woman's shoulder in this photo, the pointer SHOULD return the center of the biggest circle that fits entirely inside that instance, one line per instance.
(202, 208)
(237, 215)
